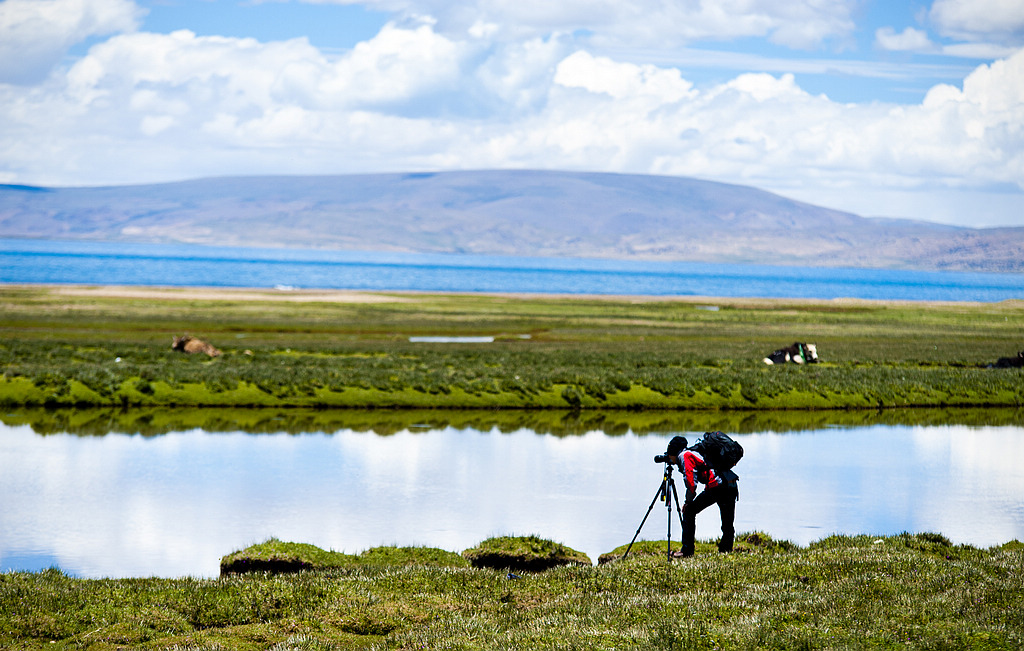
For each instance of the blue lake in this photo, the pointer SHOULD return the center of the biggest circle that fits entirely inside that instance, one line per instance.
(44, 261)
(172, 504)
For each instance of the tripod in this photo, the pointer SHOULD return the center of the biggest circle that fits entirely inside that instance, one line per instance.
(666, 492)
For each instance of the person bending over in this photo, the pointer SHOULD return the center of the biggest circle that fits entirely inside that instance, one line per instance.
(720, 487)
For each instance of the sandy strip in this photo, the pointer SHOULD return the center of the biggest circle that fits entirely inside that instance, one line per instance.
(224, 294)
(406, 296)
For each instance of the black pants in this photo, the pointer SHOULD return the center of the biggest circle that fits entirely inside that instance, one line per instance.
(725, 496)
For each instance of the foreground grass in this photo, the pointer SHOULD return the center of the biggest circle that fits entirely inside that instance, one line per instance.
(95, 350)
(277, 557)
(908, 591)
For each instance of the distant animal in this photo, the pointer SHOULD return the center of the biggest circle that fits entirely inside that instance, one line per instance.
(190, 344)
(1011, 362)
(798, 353)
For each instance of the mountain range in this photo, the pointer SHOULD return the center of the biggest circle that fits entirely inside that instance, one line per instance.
(521, 213)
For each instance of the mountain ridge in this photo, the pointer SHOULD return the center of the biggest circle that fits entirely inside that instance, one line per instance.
(496, 212)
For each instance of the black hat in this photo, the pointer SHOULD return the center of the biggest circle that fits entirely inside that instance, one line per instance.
(676, 445)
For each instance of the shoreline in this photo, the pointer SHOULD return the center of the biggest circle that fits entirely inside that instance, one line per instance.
(308, 295)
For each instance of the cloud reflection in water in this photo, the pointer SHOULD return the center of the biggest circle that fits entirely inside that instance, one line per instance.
(172, 505)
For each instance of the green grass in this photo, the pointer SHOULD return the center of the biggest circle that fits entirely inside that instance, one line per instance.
(277, 557)
(906, 591)
(524, 553)
(581, 353)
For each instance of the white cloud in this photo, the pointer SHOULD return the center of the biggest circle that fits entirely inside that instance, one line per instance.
(518, 75)
(621, 81)
(1000, 21)
(763, 87)
(35, 34)
(909, 40)
(392, 67)
(806, 24)
(798, 23)
(143, 106)
(984, 51)
(143, 75)
(156, 107)
(767, 131)
(267, 89)
(999, 89)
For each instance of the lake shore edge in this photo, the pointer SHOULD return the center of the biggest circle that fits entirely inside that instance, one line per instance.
(307, 294)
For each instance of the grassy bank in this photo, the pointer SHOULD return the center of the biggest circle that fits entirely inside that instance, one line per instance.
(97, 348)
(908, 591)
(155, 421)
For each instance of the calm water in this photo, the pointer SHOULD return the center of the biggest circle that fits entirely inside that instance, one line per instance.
(172, 504)
(39, 261)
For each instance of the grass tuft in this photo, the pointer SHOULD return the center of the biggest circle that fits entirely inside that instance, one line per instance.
(276, 557)
(523, 553)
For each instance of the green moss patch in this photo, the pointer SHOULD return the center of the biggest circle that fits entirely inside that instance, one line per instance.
(412, 556)
(279, 557)
(752, 542)
(524, 553)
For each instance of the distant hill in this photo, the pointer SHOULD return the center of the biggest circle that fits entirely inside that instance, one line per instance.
(527, 213)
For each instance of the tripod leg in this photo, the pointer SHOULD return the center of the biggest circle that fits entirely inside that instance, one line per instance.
(669, 490)
(679, 510)
(662, 490)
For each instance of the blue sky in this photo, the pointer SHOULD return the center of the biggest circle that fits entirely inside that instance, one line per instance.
(897, 109)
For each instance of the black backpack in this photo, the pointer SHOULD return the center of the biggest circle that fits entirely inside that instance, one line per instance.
(720, 451)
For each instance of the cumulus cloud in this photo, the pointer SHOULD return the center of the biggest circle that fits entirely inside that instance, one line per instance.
(153, 107)
(622, 81)
(178, 104)
(768, 131)
(35, 34)
(251, 92)
(1000, 21)
(392, 67)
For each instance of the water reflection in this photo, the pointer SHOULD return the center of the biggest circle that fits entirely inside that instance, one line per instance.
(173, 504)
(161, 420)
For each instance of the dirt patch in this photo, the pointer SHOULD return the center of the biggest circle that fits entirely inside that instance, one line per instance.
(273, 566)
(408, 296)
(228, 294)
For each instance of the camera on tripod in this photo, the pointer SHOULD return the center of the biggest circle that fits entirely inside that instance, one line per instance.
(666, 492)
(675, 447)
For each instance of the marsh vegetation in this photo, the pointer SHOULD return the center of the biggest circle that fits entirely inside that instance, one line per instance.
(60, 349)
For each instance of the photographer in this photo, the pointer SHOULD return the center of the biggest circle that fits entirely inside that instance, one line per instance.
(720, 488)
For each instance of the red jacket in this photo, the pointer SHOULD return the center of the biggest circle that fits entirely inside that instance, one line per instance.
(695, 469)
